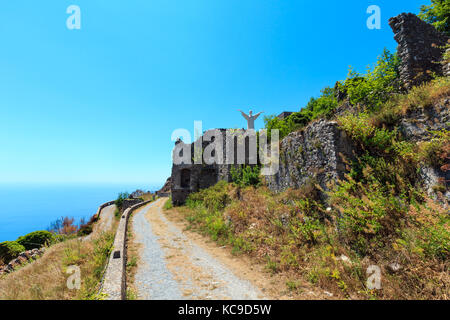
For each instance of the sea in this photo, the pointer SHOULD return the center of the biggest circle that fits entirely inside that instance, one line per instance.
(27, 208)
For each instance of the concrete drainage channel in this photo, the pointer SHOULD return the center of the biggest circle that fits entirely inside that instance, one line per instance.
(114, 283)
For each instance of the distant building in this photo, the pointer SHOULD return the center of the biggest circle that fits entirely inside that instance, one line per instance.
(137, 194)
(189, 178)
(284, 115)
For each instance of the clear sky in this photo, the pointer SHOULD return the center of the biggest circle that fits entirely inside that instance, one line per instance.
(99, 104)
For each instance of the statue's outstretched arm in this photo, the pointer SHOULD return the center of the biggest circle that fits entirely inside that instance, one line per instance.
(243, 114)
(257, 115)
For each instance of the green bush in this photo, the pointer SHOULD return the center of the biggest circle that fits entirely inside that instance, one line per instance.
(10, 250)
(323, 106)
(285, 126)
(168, 205)
(120, 198)
(36, 239)
(368, 213)
(436, 151)
(214, 198)
(438, 14)
(435, 239)
(377, 86)
(376, 140)
(246, 176)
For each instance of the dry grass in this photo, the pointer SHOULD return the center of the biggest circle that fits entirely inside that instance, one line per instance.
(425, 95)
(46, 278)
(420, 97)
(292, 236)
(148, 196)
(43, 279)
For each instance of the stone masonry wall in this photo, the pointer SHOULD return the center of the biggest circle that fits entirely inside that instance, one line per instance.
(127, 203)
(317, 153)
(418, 48)
(114, 282)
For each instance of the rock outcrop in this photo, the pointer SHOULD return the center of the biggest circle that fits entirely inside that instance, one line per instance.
(23, 258)
(166, 189)
(431, 178)
(316, 154)
(418, 123)
(420, 48)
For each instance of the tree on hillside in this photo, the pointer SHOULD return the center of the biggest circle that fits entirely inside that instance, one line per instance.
(438, 14)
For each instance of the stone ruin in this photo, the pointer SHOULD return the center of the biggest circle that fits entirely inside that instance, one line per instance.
(191, 177)
(420, 48)
(316, 154)
(319, 153)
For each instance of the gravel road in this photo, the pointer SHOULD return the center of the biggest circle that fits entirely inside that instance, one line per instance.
(173, 267)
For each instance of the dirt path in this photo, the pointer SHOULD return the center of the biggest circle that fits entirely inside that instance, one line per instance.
(173, 266)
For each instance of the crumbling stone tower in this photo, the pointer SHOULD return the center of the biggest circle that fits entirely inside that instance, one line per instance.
(420, 48)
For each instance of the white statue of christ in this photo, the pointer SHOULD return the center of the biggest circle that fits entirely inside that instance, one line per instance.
(250, 119)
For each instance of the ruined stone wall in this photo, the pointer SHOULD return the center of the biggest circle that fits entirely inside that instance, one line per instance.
(127, 203)
(114, 282)
(419, 48)
(314, 154)
(418, 125)
(203, 175)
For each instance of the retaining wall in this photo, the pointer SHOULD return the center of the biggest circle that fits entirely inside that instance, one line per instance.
(114, 283)
(106, 204)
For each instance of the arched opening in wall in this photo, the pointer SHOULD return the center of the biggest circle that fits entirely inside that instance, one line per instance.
(185, 178)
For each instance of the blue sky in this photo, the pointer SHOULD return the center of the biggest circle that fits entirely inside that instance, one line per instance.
(98, 105)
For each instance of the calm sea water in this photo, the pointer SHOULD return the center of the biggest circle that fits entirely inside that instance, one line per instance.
(27, 208)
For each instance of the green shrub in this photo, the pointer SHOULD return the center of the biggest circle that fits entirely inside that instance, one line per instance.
(435, 239)
(214, 198)
(359, 128)
(323, 106)
(245, 176)
(120, 198)
(36, 239)
(285, 126)
(168, 205)
(368, 212)
(10, 250)
(320, 107)
(375, 87)
(438, 14)
(436, 151)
